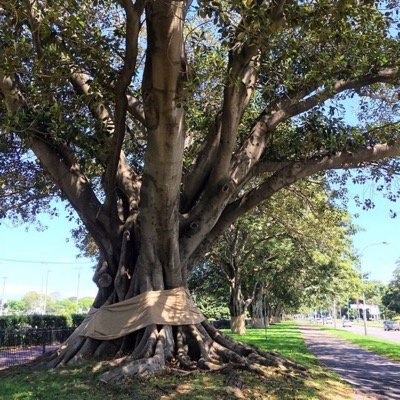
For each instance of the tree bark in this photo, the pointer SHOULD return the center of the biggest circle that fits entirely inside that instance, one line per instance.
(237, 308)
(259, 317)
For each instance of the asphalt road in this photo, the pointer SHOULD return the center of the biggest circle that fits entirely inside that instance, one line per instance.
(372, 376)
(393, 336)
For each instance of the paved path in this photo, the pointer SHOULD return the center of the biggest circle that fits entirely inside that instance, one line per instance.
(373, 376)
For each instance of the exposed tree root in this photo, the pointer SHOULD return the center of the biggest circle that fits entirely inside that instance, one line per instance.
(185, 348)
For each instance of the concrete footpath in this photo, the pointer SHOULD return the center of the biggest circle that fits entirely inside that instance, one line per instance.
(371, 375)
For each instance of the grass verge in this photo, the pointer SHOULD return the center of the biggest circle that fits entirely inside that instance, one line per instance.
(22, 383)
(286, 339)
(379, 346)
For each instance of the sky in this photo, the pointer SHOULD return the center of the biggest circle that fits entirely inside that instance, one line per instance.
(375, 227)
(29, 259)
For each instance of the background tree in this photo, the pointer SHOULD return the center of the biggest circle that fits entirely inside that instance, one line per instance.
(298, 238)
(34, 302)
(391, 297)
(15, 307)
(101, 105)
(210, 291)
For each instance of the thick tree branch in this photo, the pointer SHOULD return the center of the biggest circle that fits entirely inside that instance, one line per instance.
(126, 178)
(133, 13)
(242, 67)
(202, 218)
(295, 171)
(259, 137)
(135, 108)
(62, 168)
(195, 180)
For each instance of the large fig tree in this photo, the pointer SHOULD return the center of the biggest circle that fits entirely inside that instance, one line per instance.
(161, 122)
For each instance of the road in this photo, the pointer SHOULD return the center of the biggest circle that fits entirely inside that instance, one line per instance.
(393, 336)
(373, 376)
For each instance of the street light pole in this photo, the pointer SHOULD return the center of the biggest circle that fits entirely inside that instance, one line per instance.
(45, 296)
(77, 286)
(362, 283)
(2, 296)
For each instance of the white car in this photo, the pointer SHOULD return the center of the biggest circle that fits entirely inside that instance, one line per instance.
(347, 323)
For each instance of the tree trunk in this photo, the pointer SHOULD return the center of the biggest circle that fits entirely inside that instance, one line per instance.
(238, 324)
(237, 309)
(147, 351)
(276, 315)
(259, 320)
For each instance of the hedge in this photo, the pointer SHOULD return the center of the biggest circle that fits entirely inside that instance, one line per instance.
(40, 321)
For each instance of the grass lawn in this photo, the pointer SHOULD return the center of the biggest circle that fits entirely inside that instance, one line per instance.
(21, 383)
(378, 346)
(286, 339)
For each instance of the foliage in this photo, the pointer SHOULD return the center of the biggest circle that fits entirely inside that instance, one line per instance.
(77, 319)
(33, 302)
(296, 247)
(212, 308)
(34, 321)
(391, 298)
(209, 292)
(16, 306)
(294, 69)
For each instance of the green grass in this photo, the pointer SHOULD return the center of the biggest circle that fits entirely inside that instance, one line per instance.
(21, 383)
(286, 339)
(82, 384)
(379, 346)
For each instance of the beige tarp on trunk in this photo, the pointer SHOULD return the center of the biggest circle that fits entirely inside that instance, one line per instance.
(162, 307)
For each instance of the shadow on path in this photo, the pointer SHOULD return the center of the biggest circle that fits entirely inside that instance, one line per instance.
(373, 376)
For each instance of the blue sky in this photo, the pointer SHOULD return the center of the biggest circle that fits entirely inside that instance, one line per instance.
(26, 255)
(376, 226)
(40, 252)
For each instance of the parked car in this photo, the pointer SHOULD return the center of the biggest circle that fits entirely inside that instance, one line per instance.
(391, 326)
(347, 323)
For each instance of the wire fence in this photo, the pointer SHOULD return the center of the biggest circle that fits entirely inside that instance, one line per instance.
(19, 346)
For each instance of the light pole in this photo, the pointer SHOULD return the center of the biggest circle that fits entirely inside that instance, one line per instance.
(3, 292)
(45, 296)
(362, 283)
(77, 286)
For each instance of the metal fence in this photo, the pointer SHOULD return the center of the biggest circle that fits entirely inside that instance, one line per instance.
(19, 346)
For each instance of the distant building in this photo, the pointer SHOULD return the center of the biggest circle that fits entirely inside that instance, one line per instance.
(373, 312)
